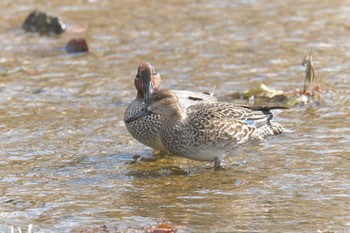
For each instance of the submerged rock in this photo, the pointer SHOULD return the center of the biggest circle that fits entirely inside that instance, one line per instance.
(40, 22)
(77, 46)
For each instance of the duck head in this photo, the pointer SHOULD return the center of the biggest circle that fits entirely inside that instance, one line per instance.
(146, 80)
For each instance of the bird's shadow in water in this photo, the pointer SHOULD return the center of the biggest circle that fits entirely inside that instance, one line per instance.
(155, 165)
(161, 164)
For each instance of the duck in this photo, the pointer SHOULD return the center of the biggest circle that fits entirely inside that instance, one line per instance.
(147, 129)
(208, 131)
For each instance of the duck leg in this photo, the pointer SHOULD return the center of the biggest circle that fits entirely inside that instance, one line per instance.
(217, 163)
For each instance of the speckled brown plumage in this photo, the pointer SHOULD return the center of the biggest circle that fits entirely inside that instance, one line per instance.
(209, 131)
(147, 129)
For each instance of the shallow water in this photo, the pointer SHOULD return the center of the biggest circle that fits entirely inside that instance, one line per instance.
(68, 163)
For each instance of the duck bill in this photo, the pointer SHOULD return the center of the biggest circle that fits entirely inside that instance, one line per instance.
(147, 86)
(137, 115)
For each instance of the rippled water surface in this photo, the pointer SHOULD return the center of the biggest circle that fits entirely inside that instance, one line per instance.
(68, 163)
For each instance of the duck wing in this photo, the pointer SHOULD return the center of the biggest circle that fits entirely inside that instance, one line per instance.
(189, 98)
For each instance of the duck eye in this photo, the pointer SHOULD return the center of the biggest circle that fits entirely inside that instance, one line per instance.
(157, 97)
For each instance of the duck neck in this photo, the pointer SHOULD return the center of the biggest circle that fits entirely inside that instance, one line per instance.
(139, 95)
(176, 115)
